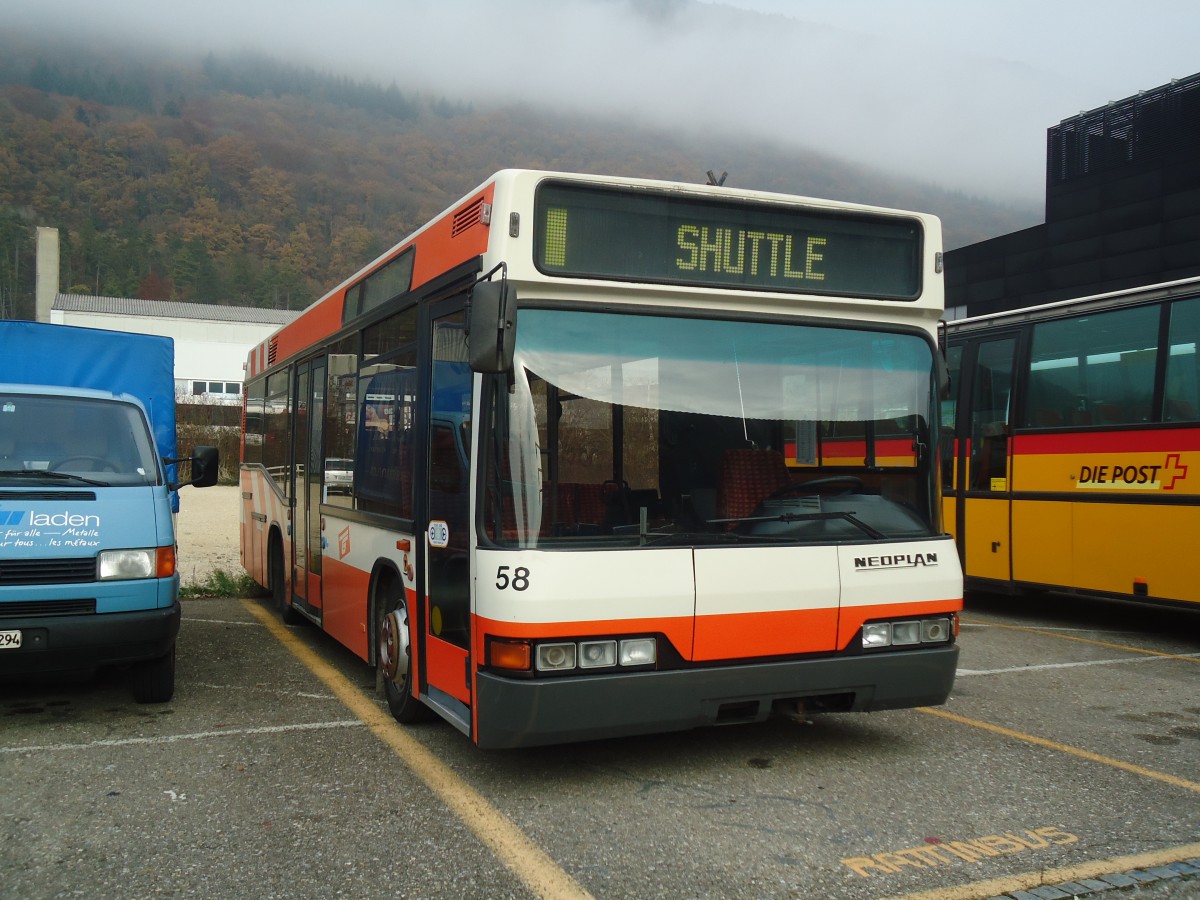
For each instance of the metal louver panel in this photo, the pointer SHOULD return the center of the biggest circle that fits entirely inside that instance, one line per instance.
(467, 217)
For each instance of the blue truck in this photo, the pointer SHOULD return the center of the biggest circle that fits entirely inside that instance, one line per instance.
(88, 492)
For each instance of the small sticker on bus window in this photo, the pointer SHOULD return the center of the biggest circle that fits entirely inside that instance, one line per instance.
(439, 533)
(999, 484)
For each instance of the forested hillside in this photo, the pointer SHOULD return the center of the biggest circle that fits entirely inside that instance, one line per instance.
(247, 180)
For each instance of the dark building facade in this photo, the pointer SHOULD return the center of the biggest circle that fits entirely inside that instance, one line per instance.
(1122, 210)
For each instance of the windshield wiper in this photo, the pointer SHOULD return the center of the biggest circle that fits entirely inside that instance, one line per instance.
(34, 474)
(869, 531)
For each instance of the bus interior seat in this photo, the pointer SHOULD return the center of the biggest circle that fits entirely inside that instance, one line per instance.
(1046, 418)
(1179, 411)
(748, 476)
(1109, 414)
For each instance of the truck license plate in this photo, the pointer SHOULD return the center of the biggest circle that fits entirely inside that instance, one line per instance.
(10, 640)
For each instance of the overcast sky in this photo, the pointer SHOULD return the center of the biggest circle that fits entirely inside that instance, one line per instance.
(951, 92)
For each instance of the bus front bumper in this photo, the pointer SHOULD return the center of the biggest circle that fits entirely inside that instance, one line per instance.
(527, 713)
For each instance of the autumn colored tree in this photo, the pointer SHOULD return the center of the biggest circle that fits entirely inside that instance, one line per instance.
(155, 287)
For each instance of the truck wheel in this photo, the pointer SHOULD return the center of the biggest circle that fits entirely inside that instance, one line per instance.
(153, 681)
(393, 654)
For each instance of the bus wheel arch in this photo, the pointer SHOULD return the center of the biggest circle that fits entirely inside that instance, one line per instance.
(277, 576)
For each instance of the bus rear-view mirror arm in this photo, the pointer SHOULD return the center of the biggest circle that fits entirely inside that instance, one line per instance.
(492, 327)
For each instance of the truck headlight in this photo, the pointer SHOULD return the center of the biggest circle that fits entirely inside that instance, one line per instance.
(123, 565)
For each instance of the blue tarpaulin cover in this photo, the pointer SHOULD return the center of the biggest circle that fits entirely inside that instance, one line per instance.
(67, 356)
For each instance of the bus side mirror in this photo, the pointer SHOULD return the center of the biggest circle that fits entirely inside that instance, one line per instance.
(492, 327)
(205, 461)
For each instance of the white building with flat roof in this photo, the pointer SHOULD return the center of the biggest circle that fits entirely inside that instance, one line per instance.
(211, 341)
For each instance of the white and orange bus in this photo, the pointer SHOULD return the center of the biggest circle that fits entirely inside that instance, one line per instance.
(1072, 453)
(627, 456)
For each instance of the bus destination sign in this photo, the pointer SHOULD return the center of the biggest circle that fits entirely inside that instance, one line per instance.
(594, 232)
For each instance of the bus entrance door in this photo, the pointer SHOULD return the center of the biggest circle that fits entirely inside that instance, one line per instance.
(447, 618)
(309, 479)
(985, 494)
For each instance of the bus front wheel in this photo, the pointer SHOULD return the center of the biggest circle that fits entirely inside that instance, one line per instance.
(393, 657)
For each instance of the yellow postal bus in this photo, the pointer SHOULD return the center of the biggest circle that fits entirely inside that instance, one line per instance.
(1071, 451)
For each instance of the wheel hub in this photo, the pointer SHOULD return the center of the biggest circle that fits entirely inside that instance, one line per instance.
(393, 646)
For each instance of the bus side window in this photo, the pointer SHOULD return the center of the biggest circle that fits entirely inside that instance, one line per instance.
(1181, 402)
(949, 416)
(1093, 370)
(990, 415)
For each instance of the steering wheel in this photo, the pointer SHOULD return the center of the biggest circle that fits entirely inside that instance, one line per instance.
(852, 484)
(99, 463)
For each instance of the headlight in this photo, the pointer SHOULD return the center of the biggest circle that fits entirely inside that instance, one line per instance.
(553, 657)
(597, 653)
(877, 634)
(935, 630)
(907, 633)
(120, 565)
(594, 654)
(638, 652)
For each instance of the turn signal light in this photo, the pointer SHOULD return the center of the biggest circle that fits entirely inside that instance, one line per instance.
(514, 655)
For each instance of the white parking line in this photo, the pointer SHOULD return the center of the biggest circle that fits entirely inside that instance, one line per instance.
(241, 689)
(217, 621)
(1074, 665)
(174, 738)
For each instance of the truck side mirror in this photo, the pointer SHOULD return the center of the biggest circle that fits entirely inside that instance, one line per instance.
(205, 461)
(492, 327)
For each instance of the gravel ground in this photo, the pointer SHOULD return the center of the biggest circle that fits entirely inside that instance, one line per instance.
(208, 533)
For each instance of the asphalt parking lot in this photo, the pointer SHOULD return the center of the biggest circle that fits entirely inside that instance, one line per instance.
(1068, 754)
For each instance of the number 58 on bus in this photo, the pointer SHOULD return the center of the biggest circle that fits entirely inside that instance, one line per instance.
(628, 457)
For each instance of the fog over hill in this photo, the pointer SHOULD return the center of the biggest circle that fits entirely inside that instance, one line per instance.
(257, 153)
(943, 92)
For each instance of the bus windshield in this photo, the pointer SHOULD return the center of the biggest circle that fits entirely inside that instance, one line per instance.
(643, 430)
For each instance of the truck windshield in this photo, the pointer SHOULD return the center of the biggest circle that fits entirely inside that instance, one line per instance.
(49, 438)
(636, 430)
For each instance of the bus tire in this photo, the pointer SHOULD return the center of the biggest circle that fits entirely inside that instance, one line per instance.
(153, 681)
(279, 585)
(393, 657)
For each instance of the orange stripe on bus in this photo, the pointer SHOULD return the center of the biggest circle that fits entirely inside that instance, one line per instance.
(775, 633)
(345, 613)
(733, 635)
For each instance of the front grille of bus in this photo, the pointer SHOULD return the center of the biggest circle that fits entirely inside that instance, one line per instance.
(47, 571)
(29, 609)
